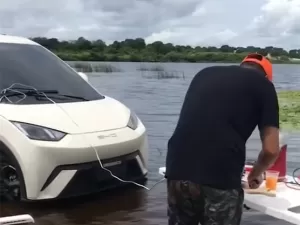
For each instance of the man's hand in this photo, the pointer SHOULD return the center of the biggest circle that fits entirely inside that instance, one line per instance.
(254, 182)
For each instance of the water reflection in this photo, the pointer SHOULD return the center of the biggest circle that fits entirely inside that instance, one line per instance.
(110, 207)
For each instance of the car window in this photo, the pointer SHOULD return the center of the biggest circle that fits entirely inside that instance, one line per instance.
(34, 66)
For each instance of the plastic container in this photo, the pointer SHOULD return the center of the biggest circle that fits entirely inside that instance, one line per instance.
(280, 164)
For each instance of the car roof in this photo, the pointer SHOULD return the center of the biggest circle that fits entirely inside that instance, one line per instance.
(16, 40)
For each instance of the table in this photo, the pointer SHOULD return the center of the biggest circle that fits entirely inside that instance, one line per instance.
(285, 206)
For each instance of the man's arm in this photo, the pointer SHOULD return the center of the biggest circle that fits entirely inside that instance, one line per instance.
(269, 130)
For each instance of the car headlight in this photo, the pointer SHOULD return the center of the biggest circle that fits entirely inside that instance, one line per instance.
(39, 133)
(133, 121)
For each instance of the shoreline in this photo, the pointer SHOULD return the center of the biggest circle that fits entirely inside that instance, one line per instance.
(149, 57)
(162, 62)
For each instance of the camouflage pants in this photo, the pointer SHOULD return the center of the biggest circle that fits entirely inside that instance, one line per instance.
(191, 204)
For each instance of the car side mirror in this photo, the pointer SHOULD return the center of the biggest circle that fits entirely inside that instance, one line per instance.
(83, 76)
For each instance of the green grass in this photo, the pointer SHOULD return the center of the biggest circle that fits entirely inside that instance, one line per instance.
(289, 102)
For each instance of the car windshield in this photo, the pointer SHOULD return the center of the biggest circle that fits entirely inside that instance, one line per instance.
(34, 66)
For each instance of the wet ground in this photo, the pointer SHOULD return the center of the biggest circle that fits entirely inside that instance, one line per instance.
(157, 103)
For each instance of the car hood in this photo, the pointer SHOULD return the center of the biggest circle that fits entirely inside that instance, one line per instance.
(74, 118)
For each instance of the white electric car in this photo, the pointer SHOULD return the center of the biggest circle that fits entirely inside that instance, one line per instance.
(54, 128)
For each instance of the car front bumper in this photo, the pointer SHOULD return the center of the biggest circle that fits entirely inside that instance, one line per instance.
(90, 177)
(71, 167)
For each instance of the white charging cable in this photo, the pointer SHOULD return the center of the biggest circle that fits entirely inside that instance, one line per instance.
(10, 88)
(4, 91)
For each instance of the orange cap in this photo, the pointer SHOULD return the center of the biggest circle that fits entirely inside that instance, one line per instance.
(262, 61)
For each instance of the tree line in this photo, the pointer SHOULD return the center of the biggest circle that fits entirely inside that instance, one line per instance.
(136, 50)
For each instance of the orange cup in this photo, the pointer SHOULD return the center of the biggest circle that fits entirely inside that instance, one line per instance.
(271, 180)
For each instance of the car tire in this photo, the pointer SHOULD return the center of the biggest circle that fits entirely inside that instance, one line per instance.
(9, 180)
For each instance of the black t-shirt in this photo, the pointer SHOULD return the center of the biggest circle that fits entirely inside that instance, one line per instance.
(222, 107)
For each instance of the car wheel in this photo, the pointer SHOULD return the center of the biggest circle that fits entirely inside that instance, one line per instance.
(9, 180)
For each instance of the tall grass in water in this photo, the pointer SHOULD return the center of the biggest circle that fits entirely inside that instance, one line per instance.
(95, 68)
(154, 67)
(159, 72)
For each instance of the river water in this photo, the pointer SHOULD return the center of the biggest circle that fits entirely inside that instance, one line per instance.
(157, 102)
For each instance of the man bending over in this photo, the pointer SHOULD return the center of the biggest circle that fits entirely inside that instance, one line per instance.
(206, 153)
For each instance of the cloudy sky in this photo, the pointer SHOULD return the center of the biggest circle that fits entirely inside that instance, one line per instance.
(192, 22)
